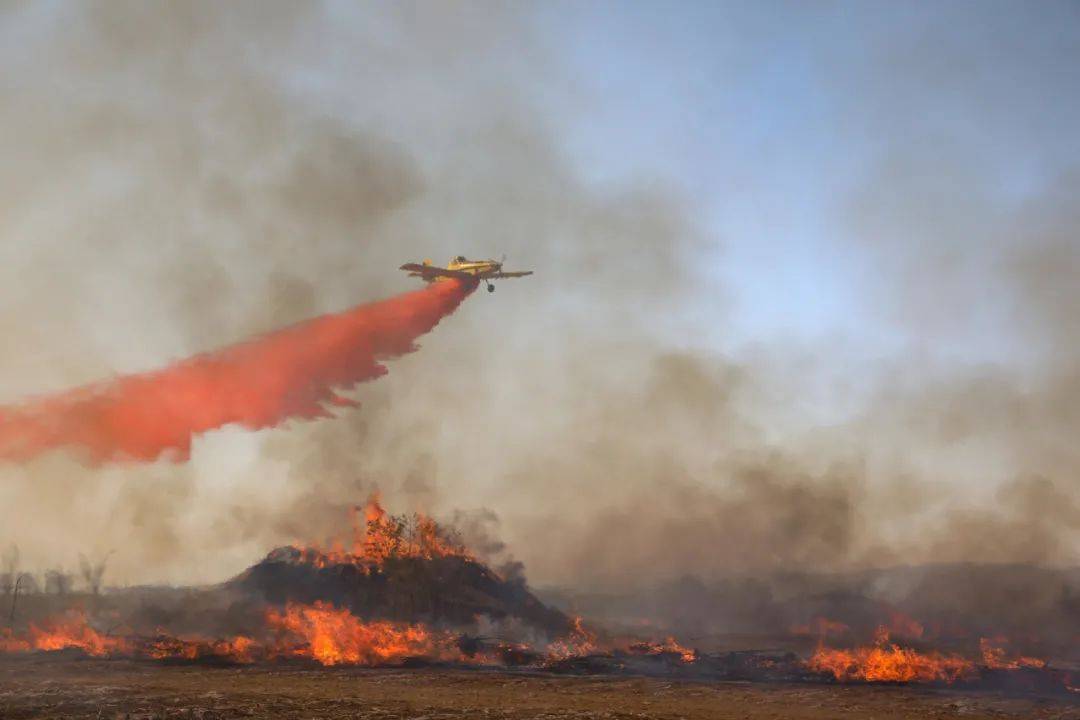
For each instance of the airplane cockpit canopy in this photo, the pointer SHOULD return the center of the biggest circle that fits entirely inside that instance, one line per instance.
(460, 259)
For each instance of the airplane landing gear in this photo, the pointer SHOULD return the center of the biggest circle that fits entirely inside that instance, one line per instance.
(491, 288)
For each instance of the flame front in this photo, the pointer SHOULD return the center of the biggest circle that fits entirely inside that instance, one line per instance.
(68, 631)
(888, 662)
(334, 636)
(891, 663)
(331, 636)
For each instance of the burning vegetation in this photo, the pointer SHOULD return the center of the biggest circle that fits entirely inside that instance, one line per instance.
(889, 662)
(378, 536)
(405, 590)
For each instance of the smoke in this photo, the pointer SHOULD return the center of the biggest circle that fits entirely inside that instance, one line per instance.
(178, 177)
(290, 373)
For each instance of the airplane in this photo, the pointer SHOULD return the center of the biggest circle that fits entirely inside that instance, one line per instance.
(460, 267)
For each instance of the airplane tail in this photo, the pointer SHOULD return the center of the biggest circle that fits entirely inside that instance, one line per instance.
(426, 277)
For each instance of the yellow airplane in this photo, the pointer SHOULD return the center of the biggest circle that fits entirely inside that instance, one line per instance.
(462, 268)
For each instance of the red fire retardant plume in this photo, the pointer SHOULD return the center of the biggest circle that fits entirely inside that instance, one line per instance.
(290, 373)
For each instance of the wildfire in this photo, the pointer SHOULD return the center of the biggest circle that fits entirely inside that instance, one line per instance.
(888, 662)
(10, 643)
(669, 645)
(379, 536)
(579, 641)
(68, 631)
(321, 632)
(239, 649)
(994, 656)
(334, 636)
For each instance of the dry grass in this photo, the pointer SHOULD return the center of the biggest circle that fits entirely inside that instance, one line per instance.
(55, 686)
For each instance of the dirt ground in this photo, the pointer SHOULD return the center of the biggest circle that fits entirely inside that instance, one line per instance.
(62, 687)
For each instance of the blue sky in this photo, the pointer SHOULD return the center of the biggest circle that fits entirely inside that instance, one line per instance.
(772, 116)
(735, 115)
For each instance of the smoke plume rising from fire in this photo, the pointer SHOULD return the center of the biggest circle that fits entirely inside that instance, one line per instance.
(286, 374)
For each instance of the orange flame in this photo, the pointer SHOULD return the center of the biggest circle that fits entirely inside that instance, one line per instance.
(994, 656)
(669, 645)
(579, 641)
(335, 636)
(239, 649)
(68, 631)
(10, 643)
(381, 536)
(888, 662)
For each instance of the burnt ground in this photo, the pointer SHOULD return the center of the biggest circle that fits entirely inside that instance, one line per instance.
(54, 686)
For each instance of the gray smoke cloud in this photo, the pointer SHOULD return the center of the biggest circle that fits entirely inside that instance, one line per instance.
(180, 176)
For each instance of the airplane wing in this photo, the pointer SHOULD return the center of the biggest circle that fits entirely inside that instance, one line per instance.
(432, 271)
(521, 273)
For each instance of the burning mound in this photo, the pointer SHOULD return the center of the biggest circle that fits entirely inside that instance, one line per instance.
(403, 569)
(407, 591)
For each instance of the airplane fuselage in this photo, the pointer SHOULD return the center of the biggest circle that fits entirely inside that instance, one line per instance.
(480, 268)
(462, 268)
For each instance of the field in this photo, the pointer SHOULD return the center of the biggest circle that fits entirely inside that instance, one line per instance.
(58, 685)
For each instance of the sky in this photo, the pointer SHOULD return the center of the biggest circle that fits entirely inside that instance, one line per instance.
(680, 95)
(761, 113)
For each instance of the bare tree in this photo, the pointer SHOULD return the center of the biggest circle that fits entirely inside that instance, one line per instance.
(22, 580)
